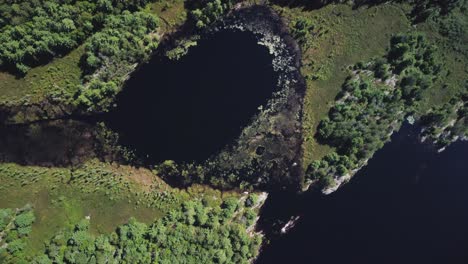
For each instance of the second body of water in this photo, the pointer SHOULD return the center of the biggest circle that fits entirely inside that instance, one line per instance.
(409, 205)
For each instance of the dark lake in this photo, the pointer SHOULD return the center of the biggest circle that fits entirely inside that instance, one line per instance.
(191, 108)
(409, 205)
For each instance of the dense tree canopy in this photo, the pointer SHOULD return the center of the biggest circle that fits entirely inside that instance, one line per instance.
(126, 39)
(195, 233)
(206, 12)
(15, 226)
(444, 124)
(372, 103)
(33, 32)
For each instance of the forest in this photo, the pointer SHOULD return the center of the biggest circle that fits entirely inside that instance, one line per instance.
(368, 65)
(109, 56)
(445, 124)
(15, 226)
(34, 32)
(372, 103)
(195, 233)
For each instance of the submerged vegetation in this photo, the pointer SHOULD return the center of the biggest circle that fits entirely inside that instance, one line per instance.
(367, 65)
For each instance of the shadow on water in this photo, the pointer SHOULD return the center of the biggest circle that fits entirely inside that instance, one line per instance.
(50, 143)
(189, 109)
(409, 205)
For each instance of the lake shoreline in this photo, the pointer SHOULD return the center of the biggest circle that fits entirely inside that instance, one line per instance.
(385, 204)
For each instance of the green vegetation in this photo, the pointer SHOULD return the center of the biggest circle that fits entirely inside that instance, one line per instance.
(425, 9)
(58, 79)
(182, 48)
(443, 125)
(122, 38)
(201, 15)
(194, 233)
(336, 34)
(303, 30)
(449, 33)
(414, 60)
(171, 12)
(62, 196)
(421, 9)
(15, 226)
(34, 32)
(209, 11)
(212, 172)
(82, 66)
(110, 195)
(408, 57)
(372, 104)
(110, 56)
(47, 29)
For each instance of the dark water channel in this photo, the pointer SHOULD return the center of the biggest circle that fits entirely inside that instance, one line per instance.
(409, 205)
(191, 108)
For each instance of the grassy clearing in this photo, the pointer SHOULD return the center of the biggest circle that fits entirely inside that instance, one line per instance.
(108, 194)
(172, 13)
(62, 75)
(448, 86)
(343, 37)
(60, 202)
(453, 53)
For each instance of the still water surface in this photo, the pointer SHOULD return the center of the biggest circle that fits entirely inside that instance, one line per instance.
(189, 109)
(409, 205)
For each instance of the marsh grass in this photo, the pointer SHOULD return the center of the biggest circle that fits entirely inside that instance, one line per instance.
(60, 203)
(61, 76)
